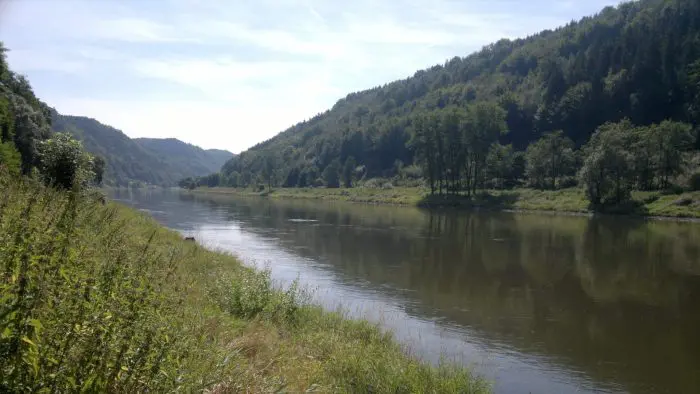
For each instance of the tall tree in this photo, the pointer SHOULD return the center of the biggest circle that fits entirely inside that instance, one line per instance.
(551, 157)
(331, 174)
(672, 139)
(349, 171)
(483, 125)
(607, 173)
(500, 163)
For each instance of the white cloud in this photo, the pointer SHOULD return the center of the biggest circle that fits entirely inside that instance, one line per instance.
(136, 30)
(27, 61)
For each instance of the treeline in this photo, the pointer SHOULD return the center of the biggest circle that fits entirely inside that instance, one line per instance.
(459, 153)
(639, 61)
(28, 146)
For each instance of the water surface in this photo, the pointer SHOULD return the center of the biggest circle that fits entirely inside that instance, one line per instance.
(538, 303)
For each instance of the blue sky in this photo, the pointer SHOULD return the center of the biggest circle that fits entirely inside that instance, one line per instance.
(230, 73)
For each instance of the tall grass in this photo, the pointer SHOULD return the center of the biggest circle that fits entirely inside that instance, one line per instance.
(87, 304)
(98, 298)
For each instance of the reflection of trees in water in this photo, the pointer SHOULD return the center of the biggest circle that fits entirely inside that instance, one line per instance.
(634, 261)
(614, 297)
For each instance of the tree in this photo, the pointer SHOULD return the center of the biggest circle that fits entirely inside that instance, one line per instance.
(349, 171)
(6, 121)
(484, 124)
(268, 172)
(499, 164)
(672, 139)
(233, 179)
(98, 168)
(292, 179)
(29, 127)
(188, 183)
(424, 144)
(331, 174)
(64, 163)
(607, 174)
(551, 157)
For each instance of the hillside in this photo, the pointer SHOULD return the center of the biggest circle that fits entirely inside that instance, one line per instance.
(153, 161)
(640, 60)
(24, 120)
(183, 158)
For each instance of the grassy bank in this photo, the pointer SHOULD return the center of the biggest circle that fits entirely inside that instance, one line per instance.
(393, 196)
(572, 200)
(101, 298)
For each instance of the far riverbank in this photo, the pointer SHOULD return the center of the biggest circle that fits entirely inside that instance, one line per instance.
(565, 201)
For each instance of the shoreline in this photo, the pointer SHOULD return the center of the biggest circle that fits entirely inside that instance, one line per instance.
(566, 202)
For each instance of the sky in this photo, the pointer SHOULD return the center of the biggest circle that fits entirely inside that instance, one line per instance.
(228, 74)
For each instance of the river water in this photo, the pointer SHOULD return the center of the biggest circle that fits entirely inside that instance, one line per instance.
(537, 303)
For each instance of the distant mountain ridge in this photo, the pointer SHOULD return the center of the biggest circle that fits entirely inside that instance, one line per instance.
(147, 160)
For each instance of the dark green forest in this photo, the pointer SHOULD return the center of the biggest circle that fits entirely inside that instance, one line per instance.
(608, 103)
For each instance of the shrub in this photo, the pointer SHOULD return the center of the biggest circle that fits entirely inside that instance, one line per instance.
(253, 294)
(64, 163)
(376, 183)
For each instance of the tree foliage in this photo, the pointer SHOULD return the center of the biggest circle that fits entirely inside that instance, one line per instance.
(348, 174)
(621, 157)
(64, 162)
(550, 158)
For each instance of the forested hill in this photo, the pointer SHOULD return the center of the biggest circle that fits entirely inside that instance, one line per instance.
(184, 158)
(153, 161)
(640, 60)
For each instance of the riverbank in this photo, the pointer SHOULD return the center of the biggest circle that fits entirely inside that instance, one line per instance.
(572, 200)
(103, 298)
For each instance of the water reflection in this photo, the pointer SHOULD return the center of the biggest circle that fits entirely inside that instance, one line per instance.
(608, 300)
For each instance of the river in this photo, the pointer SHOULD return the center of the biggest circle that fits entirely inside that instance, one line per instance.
(538, 303)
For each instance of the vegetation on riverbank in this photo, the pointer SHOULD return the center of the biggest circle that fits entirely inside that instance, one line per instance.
(571, 200)
(101, 298)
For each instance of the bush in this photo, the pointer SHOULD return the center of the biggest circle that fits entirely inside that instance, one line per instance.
(64, 163)
(376, 183)
(254, 295)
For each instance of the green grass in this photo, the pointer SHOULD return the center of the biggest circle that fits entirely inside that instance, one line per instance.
(571, 200)
(684, 205)
(102, 299)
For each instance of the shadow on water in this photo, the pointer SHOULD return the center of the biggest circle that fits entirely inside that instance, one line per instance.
(611, 299)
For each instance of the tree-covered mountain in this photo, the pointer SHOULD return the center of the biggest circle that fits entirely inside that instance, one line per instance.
(152, 161)
(24, 120)
(639, 62)
(184, 158)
